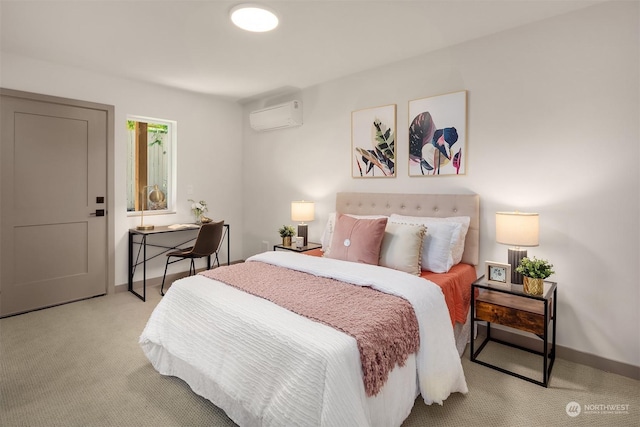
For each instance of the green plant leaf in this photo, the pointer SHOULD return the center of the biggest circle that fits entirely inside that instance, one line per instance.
(535, 268)
(385, 139)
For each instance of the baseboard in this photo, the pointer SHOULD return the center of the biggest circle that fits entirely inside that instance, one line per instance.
(566, 353)
(157, 281)
(154, 281)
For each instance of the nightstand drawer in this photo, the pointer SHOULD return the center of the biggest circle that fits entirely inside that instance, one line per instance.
(516, 312)
(512, 317)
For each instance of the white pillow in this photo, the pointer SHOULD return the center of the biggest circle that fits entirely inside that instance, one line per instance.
(458, 247)
(402, 247)
(327, 233)
(443, 244)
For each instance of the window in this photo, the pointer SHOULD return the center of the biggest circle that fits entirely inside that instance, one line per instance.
(151, 163)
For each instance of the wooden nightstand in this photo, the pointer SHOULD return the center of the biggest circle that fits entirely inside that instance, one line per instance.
(310, 246)
(515, 309)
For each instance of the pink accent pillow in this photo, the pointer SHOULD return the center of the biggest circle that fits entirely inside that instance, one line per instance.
(357, 240)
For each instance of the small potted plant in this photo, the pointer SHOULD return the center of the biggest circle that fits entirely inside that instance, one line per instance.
(534, 272)
(287, 232)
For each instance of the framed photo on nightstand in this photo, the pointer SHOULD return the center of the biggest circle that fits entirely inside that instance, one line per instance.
(498, 274)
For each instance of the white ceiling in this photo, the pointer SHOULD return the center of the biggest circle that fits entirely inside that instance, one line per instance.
(192, 45)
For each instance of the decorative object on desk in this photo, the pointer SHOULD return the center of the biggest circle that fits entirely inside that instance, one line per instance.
(198, 208)
(155, 196)
(438, 134)
(205, 219)
(299, 242)
(517, 229)
(302, 211)
(286, 232)
(373, 133)
(498, 274)
(157, 199)
(534, 271)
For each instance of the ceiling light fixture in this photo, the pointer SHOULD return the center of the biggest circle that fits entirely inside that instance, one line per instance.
(253, 17)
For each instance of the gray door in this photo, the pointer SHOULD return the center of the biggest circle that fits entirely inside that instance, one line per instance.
(53, 165)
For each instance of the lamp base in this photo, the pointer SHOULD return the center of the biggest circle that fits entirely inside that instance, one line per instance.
(515, 255)
(144, 227)
(302, 232)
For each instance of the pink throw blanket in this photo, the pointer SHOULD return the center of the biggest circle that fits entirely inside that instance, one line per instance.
(384, 326)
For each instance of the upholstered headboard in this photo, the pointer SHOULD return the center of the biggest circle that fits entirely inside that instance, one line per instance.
(436, 205)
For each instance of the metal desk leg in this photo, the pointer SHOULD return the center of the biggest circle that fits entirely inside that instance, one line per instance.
(144, 268)
(130, 271)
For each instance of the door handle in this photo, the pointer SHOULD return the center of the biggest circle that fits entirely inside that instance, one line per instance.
(98, 212)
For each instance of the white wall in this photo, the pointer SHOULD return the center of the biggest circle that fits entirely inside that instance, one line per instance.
(553, 113)
(209, 144)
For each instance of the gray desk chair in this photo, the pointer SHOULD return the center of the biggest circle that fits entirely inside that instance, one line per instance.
(207, 243)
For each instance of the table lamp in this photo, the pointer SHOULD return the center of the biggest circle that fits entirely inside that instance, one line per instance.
(302, 211)
(517, 229)
(156, 196)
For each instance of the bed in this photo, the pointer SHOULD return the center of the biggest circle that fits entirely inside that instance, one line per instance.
(266, 365)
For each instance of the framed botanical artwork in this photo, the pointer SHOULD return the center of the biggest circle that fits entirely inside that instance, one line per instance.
(498, 274)
(438, 134)
(373, 148)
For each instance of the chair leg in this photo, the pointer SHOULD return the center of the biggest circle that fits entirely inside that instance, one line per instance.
(192, 268)
(217, 260)
(164, 277)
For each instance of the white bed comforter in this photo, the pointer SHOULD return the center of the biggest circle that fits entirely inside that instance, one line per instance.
(267, 366)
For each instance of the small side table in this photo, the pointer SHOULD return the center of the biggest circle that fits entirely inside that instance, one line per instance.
(310, 246)
(515, 309)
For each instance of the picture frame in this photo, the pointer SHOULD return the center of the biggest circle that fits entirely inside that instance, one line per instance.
(438, 135)
(373, 151)
(498, 274)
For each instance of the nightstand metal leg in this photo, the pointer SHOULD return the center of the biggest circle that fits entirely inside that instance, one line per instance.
(545, 345)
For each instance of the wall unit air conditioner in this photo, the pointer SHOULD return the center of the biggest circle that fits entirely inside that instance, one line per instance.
(278, 116)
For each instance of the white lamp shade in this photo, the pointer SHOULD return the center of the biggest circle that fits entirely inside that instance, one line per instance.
(517, 228)
(302, 211)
